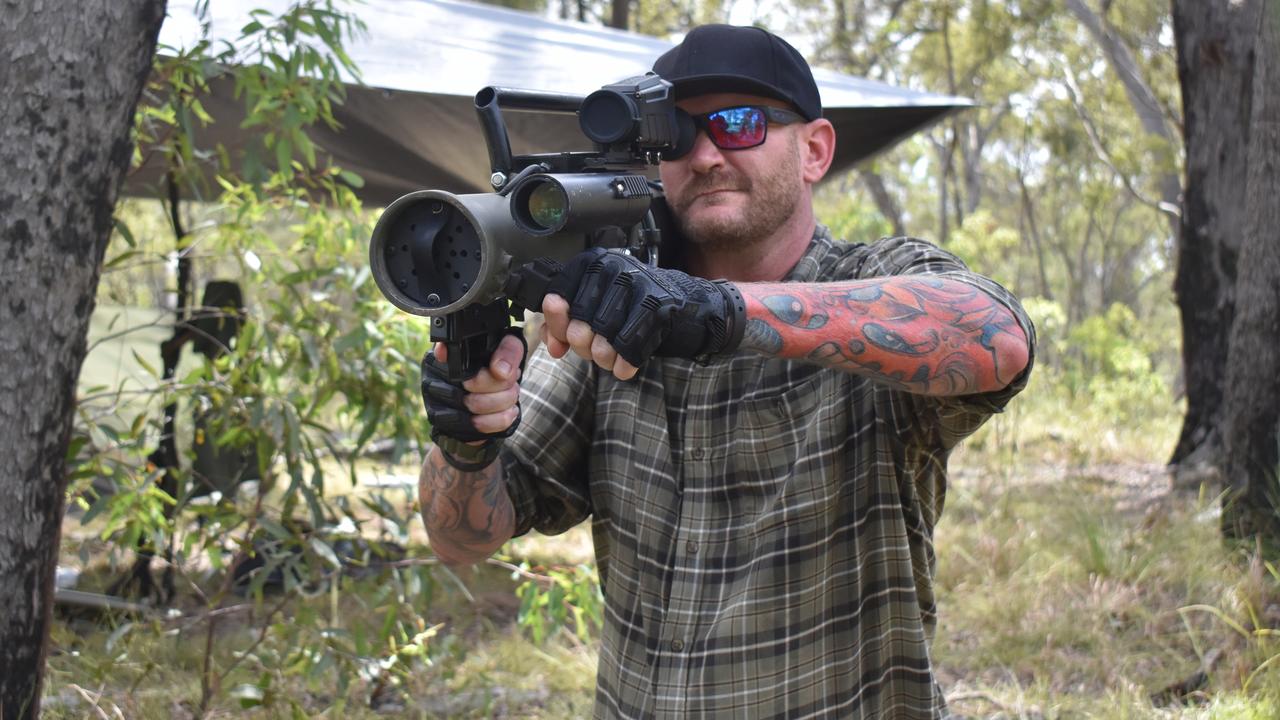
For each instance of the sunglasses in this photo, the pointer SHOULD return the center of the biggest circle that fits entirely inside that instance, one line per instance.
(739, 128)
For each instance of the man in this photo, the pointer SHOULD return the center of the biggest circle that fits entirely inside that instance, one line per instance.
(763, 459)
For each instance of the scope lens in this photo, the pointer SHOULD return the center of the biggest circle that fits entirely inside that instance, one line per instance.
(547, 205)
(608, 117)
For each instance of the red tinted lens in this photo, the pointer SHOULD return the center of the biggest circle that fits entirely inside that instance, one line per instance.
(736, 128)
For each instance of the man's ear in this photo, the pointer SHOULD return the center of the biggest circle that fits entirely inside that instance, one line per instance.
(817, 149)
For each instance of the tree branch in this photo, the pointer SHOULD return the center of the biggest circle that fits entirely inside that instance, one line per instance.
(1095, 139)
(1141, 97)
(1140, 94)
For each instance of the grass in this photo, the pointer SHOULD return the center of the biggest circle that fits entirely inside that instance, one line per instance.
(1082, 595)
(1073, 582)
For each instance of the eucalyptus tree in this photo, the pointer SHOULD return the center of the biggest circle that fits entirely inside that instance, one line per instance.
(1215, 62)
(71, 74)
(1251, 407)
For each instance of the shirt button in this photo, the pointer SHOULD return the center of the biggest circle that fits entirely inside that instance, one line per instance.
(699, 453)
(677, 645)
(691, 547)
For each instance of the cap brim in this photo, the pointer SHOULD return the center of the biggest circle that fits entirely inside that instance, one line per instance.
(709, 84)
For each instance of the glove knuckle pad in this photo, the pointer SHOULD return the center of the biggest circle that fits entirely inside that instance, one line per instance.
(612, 311)
(642, 332)
(446, 405)
(591, 289)
(444, 393)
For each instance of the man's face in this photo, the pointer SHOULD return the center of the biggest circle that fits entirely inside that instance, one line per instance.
(734, 199)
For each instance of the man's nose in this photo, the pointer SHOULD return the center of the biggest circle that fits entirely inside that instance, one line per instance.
(704, 156)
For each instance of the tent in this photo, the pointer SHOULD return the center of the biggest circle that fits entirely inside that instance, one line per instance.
(411, 124)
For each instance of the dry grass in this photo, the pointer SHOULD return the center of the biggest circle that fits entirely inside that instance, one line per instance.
(1082, 594)
(1075, 582)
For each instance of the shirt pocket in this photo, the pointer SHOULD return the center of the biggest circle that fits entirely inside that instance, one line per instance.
(776, 424)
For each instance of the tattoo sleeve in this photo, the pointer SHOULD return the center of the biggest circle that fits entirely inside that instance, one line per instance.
(468, 514)
(930, 335)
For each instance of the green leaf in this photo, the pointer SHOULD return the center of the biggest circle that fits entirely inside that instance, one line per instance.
(351, 178)
(73, 448)
(325, 552)
(292, 440)
(274, 528)
(116, 636)
(305, 275)
(123, 228)
(99, 505)
(308, 150)
(139, 422)
(120, 258)
(145, 365)
(284, 154)
(200, 112)
(388, 626)
(109, 431)
(313, 504)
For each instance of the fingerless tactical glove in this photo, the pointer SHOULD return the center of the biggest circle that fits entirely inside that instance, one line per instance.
(452, 424)
(645, 311)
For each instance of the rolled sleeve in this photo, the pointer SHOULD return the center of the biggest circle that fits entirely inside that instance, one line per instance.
(960, 415)
(545, 460)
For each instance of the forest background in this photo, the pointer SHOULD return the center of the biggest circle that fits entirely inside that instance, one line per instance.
(1081, 574)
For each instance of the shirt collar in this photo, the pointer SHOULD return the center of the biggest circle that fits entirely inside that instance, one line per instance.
(809, 265)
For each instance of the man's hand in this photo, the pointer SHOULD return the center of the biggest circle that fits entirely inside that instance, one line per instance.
(618, 312)
(464, 502)
(483, 408)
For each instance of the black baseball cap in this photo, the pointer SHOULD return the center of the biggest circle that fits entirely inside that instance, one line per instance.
(729, 58)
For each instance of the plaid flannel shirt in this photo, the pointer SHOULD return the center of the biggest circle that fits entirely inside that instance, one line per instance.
(763, 527)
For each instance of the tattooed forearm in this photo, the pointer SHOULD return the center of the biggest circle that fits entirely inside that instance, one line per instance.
(468, 514)
(929, 335)
(761, 337)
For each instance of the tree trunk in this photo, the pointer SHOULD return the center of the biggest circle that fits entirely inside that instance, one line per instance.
(620, 14)
(945, 159)
(974, 141)
(1033, 228)
(1215, 70)
(1251, 414)
(71, 74)
(884, 201)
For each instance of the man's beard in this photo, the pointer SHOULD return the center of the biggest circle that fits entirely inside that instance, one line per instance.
(772, 196)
